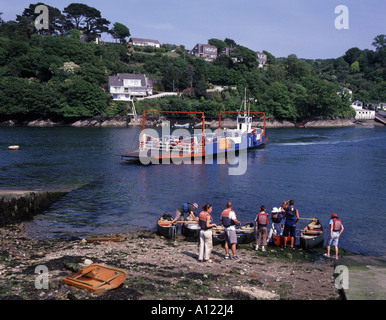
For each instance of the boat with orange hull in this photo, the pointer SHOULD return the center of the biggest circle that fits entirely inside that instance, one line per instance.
(97, 278)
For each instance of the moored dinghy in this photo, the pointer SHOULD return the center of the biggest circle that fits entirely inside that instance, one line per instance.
(312, 235)
(165, 227)
(245, 234)
(191, 229)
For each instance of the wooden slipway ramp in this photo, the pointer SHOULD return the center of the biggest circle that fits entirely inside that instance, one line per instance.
(19, 205)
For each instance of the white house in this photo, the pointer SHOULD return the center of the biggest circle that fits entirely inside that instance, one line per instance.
(357, 105)
(362, 114)
(261, 59)
(126, 86)
(144, 42)
(381, 106)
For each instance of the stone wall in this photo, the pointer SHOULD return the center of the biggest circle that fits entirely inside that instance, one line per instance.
(22, 205)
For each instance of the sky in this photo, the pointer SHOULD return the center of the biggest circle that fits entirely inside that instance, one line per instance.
(282, 27)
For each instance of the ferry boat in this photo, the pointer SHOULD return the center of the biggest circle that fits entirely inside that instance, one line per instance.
(223, 142)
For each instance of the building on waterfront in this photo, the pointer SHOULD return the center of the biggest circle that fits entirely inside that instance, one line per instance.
(381, 106)
(357, 104)
(144, 42)
(126, 86)
(362, 114)
(206, 51)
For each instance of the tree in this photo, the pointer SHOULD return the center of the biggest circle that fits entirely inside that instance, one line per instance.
(219, 44)
(245, 56)
(56, 20)
(296, 68)
(231, 43)
(120, 32)
(354, 68)
(86, 19)
(352, 55)
(270, 58)
(83, 98)
(379, 42)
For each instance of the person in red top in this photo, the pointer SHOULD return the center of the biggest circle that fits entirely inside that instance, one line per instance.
(261, 223)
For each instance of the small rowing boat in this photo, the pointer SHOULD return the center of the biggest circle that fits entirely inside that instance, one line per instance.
(97, 278)
(100, 239)
(13, 147)
(312, 235)
(191, 229)
(245, 234)
(165, 227)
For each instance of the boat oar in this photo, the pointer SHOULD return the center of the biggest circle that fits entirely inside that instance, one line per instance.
(311, 232)
(187, 222)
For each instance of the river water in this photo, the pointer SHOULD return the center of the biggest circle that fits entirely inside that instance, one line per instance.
(324, 170)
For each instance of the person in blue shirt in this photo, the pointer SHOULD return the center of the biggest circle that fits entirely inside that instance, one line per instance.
(336, 229)
(291, 218)
(185, 209)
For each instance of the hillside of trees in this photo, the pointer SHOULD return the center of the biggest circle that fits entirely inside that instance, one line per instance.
(61, 73)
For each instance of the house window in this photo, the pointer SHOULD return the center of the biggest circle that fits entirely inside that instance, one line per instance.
(132, 82)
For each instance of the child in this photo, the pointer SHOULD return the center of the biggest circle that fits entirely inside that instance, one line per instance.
(261, 223)
(336, 229)
(276, 218)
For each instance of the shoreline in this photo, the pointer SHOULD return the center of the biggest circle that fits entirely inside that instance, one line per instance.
(160, 268)
(129, 121)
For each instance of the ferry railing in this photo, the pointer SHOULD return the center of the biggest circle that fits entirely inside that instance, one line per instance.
(194, 149)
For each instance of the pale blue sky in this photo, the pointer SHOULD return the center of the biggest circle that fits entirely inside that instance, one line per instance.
(282, 27)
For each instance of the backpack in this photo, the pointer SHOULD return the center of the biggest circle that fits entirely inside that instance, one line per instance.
(291, 213)
(337, 224)
(275, 217)
(262, 218)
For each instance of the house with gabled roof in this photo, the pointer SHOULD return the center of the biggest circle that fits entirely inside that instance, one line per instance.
(206, 51)
(144, 42)
(126, 86)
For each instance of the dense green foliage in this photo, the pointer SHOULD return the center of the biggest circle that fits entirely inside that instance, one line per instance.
(62, 73)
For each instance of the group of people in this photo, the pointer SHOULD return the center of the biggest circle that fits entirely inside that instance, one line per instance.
(283, 219)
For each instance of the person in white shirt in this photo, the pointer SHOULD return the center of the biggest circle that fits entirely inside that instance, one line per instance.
(229, 220)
